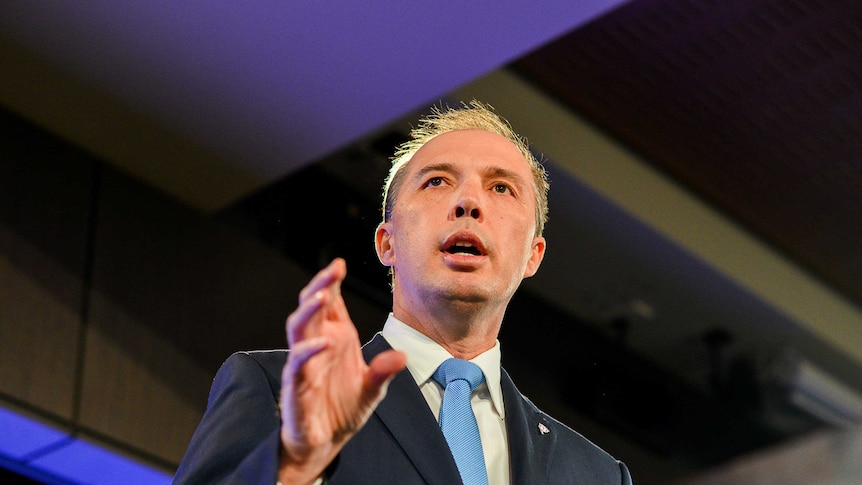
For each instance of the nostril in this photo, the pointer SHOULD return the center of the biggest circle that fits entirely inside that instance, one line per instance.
(474, 213)
(459, 212)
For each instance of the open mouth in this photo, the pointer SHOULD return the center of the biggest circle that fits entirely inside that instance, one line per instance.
(465, 244)
(463, 248)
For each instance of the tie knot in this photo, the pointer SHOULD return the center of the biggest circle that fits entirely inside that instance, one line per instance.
(458, 369)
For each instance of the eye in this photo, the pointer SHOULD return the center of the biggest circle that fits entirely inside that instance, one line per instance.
(501, 188)
(434, 182)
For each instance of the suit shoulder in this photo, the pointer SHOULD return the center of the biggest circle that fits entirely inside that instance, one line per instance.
(267, 359)
(246, 368)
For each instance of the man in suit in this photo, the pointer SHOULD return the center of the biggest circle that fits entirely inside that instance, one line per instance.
(464, 208)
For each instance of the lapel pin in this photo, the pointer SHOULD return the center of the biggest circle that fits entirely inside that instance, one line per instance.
(543, 429)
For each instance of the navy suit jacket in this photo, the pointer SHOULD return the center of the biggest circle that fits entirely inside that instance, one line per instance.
(237, 440)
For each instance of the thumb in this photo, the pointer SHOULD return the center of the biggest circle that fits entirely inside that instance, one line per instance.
(381, 371)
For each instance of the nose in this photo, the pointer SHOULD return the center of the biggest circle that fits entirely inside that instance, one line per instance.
(461, 211)
(467, 205)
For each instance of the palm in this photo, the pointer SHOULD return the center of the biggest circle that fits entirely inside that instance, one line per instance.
(328, 391)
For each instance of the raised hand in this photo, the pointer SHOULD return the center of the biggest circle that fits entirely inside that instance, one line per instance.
(327, 390)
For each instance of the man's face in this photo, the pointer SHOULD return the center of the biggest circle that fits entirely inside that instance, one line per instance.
(464, 221)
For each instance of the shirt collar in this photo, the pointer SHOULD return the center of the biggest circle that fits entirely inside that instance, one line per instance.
(424, 356)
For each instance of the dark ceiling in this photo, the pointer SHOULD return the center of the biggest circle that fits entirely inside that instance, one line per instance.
(756, 106)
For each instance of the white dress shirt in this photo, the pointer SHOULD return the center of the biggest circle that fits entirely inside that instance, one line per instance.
(424, 356)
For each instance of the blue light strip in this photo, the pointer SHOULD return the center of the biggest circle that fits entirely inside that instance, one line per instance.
(33, 449)
(21, 437)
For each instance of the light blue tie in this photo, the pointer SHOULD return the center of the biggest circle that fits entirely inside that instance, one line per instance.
(460, 378)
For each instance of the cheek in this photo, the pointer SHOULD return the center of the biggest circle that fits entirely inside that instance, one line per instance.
(524, 240)
(406, 241)
(520, 227)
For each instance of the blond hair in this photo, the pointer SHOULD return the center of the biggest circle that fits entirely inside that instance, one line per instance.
(471, 116)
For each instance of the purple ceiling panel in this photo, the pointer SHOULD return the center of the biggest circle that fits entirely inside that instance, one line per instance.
(272, 85)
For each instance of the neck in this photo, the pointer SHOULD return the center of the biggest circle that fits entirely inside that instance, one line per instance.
(464, 329)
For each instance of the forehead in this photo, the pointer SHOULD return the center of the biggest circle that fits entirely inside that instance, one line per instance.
(470, 146)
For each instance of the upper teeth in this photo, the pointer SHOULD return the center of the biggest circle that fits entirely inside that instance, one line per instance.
(464, 244)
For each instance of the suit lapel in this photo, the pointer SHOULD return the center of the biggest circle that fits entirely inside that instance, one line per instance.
(406, 415)
(531, 442)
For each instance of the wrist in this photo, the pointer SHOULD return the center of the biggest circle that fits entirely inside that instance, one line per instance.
(308, 471)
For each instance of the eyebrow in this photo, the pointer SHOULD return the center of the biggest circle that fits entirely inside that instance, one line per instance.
(490, 171)
(435, 167)
(500, 172)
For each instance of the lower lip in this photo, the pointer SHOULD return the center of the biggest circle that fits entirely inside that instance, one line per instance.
(463, 259)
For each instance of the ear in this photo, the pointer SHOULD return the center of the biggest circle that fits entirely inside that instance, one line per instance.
(383, 244)
(537, 253)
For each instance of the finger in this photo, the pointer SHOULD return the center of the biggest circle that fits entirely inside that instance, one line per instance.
(381, 370)
(325, 277)
(322, 279)
(298, 321)
(338, 269)
(336, 304)
(301, 353)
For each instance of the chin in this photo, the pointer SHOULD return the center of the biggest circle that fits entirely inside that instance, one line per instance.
(468, 294)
